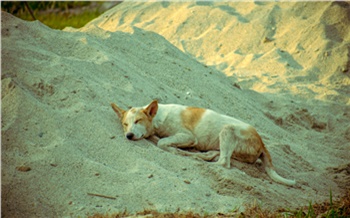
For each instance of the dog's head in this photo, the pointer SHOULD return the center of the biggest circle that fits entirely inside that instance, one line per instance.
(137, 121)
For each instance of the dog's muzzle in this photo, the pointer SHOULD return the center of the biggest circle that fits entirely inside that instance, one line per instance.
(130, 135)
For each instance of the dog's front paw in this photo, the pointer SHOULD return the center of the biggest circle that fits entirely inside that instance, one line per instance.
(163, 144)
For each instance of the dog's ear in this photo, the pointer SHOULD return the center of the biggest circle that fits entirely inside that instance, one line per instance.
(120, 112)
(151, 109)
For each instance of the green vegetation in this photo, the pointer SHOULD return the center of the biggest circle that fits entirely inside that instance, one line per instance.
(56, 15)
(331, 209)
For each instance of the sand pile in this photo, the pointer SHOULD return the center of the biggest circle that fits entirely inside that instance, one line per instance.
(297, 47)
(61, 140)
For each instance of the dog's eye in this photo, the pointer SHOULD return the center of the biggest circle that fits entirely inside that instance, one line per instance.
(136, 121)
(125, 124)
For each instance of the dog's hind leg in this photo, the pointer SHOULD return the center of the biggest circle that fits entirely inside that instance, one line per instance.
(206, 156)
(228, 142)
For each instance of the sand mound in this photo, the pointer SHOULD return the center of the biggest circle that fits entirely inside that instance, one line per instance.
(61, 140)
(297, 47)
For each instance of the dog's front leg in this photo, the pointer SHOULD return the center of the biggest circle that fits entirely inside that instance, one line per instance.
(183, 140)
(179, 140)
(154, 139)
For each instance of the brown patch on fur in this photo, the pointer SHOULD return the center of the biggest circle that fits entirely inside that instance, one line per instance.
(251, 147)
(263, 152)
(191, 116)
(265, 155)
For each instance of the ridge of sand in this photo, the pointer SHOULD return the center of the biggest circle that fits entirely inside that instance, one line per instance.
(56, 122)
(296, 47)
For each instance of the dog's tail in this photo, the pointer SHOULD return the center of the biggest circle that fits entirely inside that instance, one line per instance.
(266, 159)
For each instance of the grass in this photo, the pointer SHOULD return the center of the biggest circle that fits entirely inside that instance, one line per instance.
(57, 15)
(331, 209)
(62, 20)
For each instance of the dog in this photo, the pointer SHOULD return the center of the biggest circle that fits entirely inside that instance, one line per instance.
(175, 127)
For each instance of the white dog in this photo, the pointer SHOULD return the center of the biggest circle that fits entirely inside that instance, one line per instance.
(180, 126)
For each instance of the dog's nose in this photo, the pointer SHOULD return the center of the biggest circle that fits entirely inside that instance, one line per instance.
(130, 135)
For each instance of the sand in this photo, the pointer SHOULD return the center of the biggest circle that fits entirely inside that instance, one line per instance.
(282, 67)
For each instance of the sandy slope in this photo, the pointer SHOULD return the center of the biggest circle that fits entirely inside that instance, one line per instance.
(56, 118)
(296, 47)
